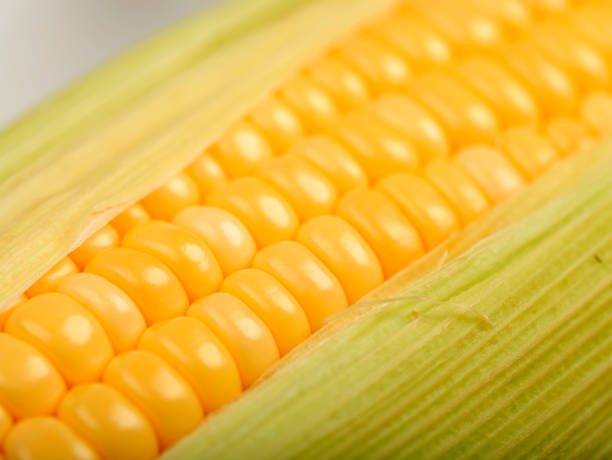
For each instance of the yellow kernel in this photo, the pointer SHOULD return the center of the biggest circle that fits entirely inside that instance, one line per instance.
(66, 332)
(569, 135)
(384, 67)
(183, 252)
(576, 56)
(457, 186)
(430, 213)
(390, 234)
(225, 235)
(150, 284)
(44, 438)
(241, 150)
(9, 309)
(263, 210)
(593, 23)
(418, 40)
(465, 115)
(179, 192)
(334, 160)
(310, 282)
(315, 107)
(510, 98)
(344, 252)
(106, 237)
(552, 87)
(245, 335)
(513, 14)
(271, 302)
(131, 216)
(380, 148)
(158, 391)
(495, 175)
(109, 422)
(308, 191)
(464, 27)
(530, 151)
(200, 357)
(596, 110)
(206, 173)
(50, 280)
(346, 85)
(415, 121)
(6, 421)
(548, 6)
(114, 309)
(278, 121)
(29, 384)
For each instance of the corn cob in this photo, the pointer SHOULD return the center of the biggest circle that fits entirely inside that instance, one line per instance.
(377, 153)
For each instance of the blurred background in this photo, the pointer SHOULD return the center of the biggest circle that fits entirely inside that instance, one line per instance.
(44, 44)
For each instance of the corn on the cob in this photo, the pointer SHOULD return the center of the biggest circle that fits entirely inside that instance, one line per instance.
(377, 152)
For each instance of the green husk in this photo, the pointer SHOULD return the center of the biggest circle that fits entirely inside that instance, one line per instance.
(106, 141)
(423, 378)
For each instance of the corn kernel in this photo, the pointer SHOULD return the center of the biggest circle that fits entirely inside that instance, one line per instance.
(263, 210)
(344, 251)
(152, 286)
(457, 186)
(206, 173)
(530, 151)
(596, 110)
(418, 40)
(29, 384)
(271, 302)
(466, 116)
(380, 148)
(346, 85)
(106, 237)
(164, 202)
(200, 357)
(415, 121)
(306, 188)
(430, 213)
(497, 177)
(241, 150)
(305, 277)
(184, 253)
(390, 234)
(6, 421)
(115, 311)
(383, 67)
(158, 391)
(66, 332)
(511, 100)
(315, 107)
(279, 122)
(135, 214)
(245, 335)
(51, 279)
(569, 135)
(334, 160)
(225, 235)
(108, 422)
(44, 438)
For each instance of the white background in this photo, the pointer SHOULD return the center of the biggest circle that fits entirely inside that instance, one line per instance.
(45, 44)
